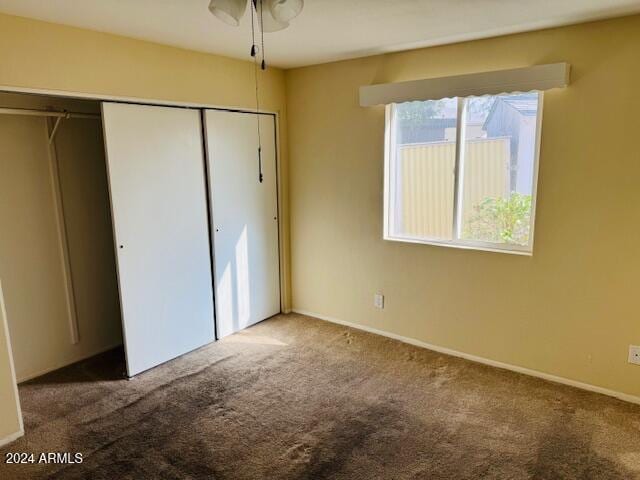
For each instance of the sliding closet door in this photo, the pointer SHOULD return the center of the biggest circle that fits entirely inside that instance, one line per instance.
(157, 184)
(245, 218)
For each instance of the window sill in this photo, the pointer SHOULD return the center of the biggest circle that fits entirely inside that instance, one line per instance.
(467, 245)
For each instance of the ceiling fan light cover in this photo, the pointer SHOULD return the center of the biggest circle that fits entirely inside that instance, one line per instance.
(229, 11)
(285, 10)
(268, 23)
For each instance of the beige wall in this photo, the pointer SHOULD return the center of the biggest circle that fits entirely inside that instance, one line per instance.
(571, 309)
(40, 55)
(45, 55)
(10, 419)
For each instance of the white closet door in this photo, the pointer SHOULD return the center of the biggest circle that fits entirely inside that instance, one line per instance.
(245, 218)
(157, 177)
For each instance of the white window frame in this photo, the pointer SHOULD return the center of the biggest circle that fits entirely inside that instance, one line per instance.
(456, 242)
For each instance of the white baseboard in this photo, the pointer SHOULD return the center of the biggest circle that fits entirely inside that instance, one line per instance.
(493, 363)
(10, 438)
(31, 376)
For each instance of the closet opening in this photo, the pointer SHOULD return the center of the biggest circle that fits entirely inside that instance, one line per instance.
(57, 263)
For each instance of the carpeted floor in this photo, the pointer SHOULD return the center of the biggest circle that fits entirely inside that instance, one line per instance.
(298, 398)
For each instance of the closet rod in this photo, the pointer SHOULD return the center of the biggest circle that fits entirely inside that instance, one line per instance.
(46, 113)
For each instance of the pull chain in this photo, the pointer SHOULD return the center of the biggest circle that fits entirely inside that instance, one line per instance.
(254, 54)
(264, 63)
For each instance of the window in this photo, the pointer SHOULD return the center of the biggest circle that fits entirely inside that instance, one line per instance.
(462, 171)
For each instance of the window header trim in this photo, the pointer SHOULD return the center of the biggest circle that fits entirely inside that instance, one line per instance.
(538, 77)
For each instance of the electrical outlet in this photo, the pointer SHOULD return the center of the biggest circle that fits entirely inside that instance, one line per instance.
(378, 301)
(634, 354)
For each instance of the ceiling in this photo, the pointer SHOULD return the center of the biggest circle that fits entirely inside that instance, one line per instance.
(327, 30)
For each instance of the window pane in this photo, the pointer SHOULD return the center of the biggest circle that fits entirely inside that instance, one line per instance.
(422, 169)
(499, 163)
